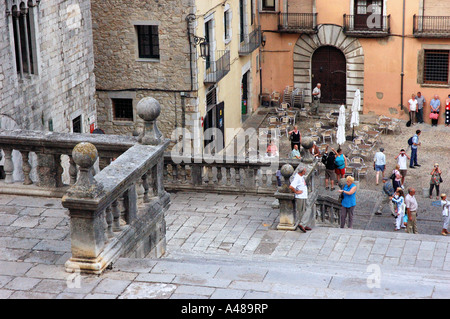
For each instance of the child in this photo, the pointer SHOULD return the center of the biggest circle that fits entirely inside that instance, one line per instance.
(399, 200)
(445, 214)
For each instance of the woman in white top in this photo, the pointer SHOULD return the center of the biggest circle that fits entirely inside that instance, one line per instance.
(402, 160)
(412, 108)
(445, 213)
(399, 200)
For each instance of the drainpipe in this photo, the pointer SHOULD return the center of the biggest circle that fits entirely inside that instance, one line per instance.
(402, 74)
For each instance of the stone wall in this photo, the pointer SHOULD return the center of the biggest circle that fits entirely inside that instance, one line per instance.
(64, 85)
(119, 71)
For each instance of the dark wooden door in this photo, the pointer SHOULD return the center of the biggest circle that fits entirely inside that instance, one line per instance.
(329, 69)
(365, 11)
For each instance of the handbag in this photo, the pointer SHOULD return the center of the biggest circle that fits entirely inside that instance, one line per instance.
(434, 116)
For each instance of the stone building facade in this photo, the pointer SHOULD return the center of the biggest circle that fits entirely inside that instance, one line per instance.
(142, 49)
(46, 65)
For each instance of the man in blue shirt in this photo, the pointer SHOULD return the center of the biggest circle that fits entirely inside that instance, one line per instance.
(416, 143)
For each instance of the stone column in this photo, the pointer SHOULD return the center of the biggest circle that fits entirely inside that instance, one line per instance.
(86, 220)
(288, 214)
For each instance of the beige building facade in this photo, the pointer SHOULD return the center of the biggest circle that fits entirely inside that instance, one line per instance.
(148, 49)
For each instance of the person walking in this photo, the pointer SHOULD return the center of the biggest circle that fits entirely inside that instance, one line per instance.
(348, 202)
(435, 105)
(447, 111)
(420, 104)
(340, 163)
(379, 164)
(411, 211)
(412, 109)
(388, 194)
(445, 214)
(330, 167)
(435, 180)
(399, 201)
(414, 146)
(402, 158)
(296, 137)
(397, 177)
(299, 187)
(316, 95)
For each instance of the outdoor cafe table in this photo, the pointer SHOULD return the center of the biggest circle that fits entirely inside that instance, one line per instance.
(355, 166)
(364, 146)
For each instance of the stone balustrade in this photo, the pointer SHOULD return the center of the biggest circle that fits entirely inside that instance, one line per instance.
(222, 175)
(49, 149)
(327, 211)
(107, 220)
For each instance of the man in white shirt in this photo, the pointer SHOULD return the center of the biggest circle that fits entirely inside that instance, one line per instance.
(411, 210)
(402, 160)
(316, 94)
(379, 164)
(299, 187)
(412, 109)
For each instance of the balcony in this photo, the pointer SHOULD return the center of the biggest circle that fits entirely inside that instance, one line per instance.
(364, 26)
(251, 43)
(431, 27)
(216, 70)
(297, 22)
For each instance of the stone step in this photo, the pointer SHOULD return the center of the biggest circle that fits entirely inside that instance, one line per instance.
(236, 276)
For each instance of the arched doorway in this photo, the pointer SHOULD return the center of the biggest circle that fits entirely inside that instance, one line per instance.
(328, 67)
(329, 35)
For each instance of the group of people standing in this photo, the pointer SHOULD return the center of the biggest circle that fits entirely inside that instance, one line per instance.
(416, 107)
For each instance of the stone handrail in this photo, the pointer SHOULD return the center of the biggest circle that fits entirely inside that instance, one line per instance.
(327, 211)
(227, 175)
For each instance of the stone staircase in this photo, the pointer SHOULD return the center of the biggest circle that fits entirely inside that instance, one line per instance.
(315, 272)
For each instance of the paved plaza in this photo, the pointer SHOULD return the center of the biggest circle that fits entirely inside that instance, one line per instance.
(223, 247)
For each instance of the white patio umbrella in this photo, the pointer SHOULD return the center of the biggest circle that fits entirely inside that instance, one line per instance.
(340, 134)
(356, 107)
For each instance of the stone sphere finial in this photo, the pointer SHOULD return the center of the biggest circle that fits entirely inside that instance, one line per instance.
(307, 144)
(149, 109)
(84, 155)
(287, 170)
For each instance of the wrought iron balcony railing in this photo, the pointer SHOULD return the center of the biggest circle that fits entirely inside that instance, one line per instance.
(297, 22)
(431, 26)
(216, 70)
(371, 26)
(251, 43)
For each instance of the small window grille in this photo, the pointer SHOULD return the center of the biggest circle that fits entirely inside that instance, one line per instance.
(123, 109)
(436, 65)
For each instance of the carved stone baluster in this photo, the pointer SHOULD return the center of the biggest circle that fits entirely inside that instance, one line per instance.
(210, 175)
(130, 205)
(228, 176)
(219, 176)
(59, 171)
(175, 173)
(26, 167)
(73, 171)
(145, 185)
(237, 176)
(183, 174)
(109, 222)
(8, 166)
(116, 216)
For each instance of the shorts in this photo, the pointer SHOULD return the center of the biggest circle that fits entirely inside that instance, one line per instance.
(380, 168)
(340, 171)
(403, 172)
(329, 174)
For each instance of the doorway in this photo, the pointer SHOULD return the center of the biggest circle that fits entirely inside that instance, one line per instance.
(329, 69)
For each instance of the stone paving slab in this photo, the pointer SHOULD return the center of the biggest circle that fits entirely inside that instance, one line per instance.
(214, 253)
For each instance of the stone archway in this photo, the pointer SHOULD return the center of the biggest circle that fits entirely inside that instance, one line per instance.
(329, 35)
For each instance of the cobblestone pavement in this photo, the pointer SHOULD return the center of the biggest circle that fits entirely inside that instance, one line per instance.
(222, 246)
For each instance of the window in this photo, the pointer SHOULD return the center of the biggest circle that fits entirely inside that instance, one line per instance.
(268, 5)
(436, 66)
(23, 32)
(122, 109)
(76, 124)
(227, 25)
(148, 41)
